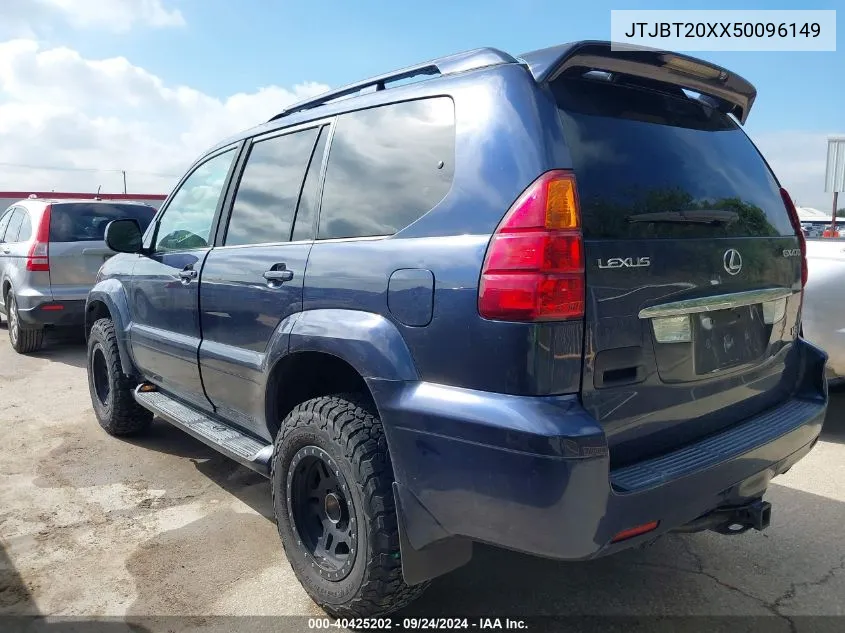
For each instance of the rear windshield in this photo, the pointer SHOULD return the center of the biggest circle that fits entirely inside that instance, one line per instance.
(86, 221)
(655, 164)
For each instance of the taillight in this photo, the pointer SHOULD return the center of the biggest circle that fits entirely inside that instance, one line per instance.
(796, 224)
(38, 257)
(534, 268)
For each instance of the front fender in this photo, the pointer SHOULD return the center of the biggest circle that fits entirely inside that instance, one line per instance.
(112, 294)
(369, 342)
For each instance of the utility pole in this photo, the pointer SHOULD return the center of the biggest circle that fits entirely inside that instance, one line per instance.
(124, 183)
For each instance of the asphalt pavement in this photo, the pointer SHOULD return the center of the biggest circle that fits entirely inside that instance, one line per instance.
(93, 526)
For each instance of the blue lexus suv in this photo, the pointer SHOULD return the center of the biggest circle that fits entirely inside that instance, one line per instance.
(549, 302)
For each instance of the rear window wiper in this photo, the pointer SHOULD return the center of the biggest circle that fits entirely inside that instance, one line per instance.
(688, 216)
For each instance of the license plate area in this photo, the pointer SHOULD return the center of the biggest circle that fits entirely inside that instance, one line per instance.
(728, 338)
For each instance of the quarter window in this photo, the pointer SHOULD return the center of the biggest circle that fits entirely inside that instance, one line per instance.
(25, 231)
(388, 166)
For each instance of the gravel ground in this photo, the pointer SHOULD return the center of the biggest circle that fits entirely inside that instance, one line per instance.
(94, 526)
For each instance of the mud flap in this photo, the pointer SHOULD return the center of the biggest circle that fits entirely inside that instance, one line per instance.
(427, 550)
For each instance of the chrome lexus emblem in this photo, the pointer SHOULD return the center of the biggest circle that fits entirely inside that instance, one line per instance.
(732, 261)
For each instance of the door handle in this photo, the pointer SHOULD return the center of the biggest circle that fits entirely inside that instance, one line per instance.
(278, 273)
(7, 250)
(187, 274)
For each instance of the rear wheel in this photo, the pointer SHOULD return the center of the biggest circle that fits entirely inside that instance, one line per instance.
(24, 340)
(111, 391)
(333, 500)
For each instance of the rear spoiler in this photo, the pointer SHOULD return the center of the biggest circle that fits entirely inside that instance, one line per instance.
(731, 93)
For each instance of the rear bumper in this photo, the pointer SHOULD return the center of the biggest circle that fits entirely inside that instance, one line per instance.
(533, 474)
(39, 313)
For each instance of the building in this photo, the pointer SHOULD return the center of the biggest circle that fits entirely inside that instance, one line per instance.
(808, 214)
(815, 222)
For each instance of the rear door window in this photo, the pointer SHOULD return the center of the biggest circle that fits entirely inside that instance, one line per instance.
(388, 166)
(269, 188)
(657, 164)
(87, 221)
(303, 228)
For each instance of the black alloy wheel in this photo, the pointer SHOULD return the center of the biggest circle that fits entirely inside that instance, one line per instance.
(321, 512)
(100, 376)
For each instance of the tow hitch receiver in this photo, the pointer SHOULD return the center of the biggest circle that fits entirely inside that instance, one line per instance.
(733, 520)
(755, 515)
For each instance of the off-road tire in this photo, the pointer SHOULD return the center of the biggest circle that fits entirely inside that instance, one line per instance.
(24, 340)
(346, 427)
(119, 414)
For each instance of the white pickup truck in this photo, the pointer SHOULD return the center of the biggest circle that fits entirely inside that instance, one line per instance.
(824, 301)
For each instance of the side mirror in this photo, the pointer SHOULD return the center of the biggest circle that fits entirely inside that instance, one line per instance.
(124, 236)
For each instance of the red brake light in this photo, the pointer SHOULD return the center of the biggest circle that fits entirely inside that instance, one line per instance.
(534, 268)
(796, 224)
(38, 258)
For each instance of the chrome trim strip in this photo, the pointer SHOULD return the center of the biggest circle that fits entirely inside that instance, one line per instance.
(718, 302)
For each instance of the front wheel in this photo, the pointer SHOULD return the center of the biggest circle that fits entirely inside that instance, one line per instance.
(111, 391)
(23, 340)
(333, 501)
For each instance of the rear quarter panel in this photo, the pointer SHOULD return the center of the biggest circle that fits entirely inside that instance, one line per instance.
(507, 134)
(14, 275)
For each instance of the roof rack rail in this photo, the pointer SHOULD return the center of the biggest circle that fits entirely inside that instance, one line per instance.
(468, 60)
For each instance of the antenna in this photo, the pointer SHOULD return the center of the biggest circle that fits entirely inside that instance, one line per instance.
(97, 197)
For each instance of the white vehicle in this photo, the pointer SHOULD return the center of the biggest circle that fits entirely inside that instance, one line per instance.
(823, 315)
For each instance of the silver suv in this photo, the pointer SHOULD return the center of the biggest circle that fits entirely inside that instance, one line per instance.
(50, 252)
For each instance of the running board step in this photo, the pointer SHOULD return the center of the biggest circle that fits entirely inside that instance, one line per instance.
(231, 442)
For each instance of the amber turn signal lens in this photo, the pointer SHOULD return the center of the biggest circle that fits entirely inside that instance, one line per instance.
(561, 203)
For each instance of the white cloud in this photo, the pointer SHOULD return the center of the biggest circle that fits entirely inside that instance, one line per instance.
(60, 109)
(118, 15)
(798, 160)
(27, 16)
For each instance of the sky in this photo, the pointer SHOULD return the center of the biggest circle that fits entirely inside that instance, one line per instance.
(97, 87)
